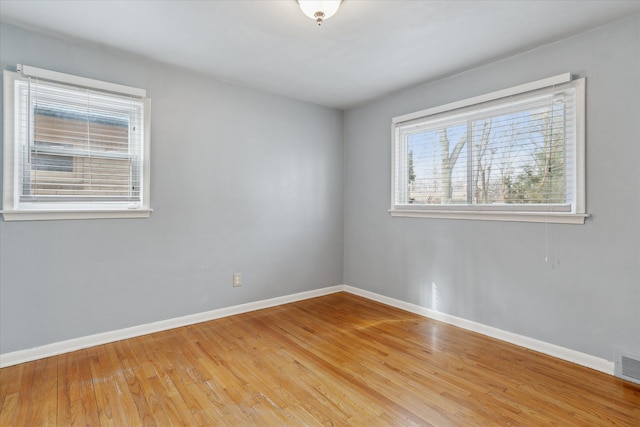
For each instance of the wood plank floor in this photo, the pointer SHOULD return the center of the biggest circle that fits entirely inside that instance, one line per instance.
(336, 360)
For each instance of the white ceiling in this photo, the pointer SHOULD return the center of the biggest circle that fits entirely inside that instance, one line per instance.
(368, 49)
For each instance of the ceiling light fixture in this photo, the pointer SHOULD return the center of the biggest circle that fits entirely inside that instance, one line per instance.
(319, 9)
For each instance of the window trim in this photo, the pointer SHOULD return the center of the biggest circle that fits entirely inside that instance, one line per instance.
(501, 212)
(12, 209)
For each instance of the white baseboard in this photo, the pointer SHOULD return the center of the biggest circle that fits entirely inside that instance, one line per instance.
(563, 353)
(22, 356)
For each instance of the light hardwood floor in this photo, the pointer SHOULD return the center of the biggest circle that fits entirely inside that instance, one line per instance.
(333, 360)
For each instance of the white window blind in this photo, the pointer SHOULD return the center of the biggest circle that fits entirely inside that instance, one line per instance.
(520, 154)
(77, 147)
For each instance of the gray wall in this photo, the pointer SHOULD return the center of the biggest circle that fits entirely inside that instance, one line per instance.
(587, 296)
(242, 181)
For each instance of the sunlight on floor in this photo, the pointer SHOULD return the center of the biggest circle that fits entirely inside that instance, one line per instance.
(435, 298)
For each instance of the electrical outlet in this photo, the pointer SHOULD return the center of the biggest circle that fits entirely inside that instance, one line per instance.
(237, 280)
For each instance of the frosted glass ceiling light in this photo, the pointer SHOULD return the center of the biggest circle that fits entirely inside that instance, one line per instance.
(319, 9)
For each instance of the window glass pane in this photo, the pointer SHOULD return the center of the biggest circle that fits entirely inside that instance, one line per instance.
(84, 130)
(506, 154)
(84, 146)
(437, 165)
(530, 152)
(51, 162)
(77, 148)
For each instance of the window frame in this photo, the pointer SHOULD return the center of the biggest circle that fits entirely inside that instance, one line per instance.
(13, 208)
(502, 212)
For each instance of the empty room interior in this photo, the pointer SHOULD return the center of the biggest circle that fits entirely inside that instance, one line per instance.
(294, 212)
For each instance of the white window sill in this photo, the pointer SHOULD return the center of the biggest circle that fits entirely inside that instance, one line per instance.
(546, 217)
(41, 215)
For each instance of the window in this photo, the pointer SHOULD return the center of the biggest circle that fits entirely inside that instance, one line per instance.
(515, 155)
(74, 147)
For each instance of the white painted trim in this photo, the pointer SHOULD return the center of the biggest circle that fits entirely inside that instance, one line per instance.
(30, 71)
(41, 215)
(503, 93)
(22, 356)
(553, 350)
(581, 135)
(8, 78)
(546, 217)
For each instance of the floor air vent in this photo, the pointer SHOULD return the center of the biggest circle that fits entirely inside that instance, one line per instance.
(628, 367)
